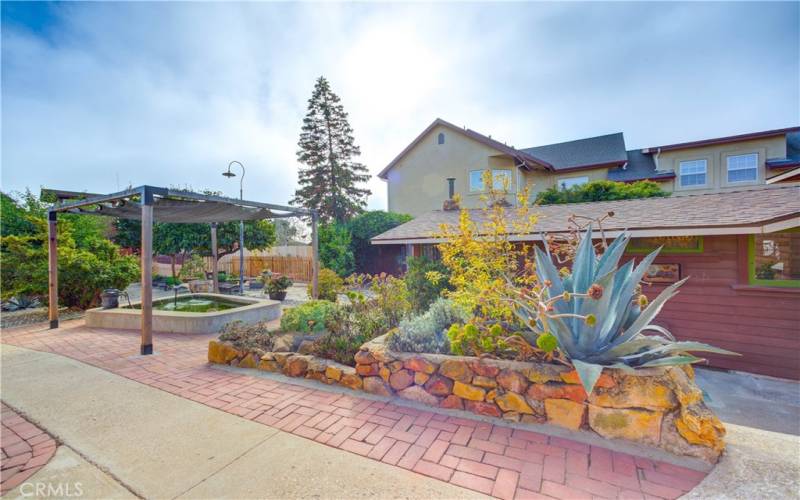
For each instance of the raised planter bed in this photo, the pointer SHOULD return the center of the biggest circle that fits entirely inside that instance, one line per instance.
(659, 407)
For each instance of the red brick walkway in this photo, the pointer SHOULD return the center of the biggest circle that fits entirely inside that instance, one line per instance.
(25, 449)
(498, 460)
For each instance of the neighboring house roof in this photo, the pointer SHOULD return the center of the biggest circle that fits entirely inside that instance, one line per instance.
(526, 159)
(792, 153)
(602, 151)
(640, 167)
(755, 210)
(722, 140)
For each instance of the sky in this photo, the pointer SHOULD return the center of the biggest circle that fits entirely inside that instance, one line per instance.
(100, 96)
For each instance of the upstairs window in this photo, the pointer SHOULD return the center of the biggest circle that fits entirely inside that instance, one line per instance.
(693, 173)
(440, 138)
(501, 179)
(743, 168)
(569, 182)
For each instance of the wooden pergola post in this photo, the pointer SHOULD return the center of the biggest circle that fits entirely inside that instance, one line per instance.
(314, 255)
(52, 267)
(214, 264)
(147, 272)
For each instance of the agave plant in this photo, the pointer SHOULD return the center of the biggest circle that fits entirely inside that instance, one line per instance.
(598, 317)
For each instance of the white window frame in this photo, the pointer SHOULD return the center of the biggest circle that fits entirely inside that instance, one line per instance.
(498, 184)
(687, 163)
(728, 168)
(568, 182)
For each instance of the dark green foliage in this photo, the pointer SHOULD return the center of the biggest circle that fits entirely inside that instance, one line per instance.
(334, 248)
(349, 327)
(87, 262)
(422, 290)
(14, 219)
(329, 181)
(366, 226)
(308, 317)
(600, 190)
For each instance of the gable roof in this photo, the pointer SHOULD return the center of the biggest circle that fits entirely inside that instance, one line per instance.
(601, 151)
(526, 159)
(639, 167)
(751, 211)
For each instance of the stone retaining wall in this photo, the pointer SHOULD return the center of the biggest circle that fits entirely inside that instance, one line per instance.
(657, 407)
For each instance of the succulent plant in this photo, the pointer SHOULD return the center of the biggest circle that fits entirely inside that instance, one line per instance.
(427, 332)
(597, 315)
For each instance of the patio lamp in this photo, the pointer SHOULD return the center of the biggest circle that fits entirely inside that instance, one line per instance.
(230, 174)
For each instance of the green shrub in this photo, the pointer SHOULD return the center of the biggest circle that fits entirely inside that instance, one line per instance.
(600, 190)
(308, 317)
(193, 269)
(475, 340)
(83, 270)
(423, 290)
(329, 285)
(426, 332)
(334, 248)
(349, 326)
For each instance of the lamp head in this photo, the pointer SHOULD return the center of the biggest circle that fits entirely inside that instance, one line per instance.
(228, 174)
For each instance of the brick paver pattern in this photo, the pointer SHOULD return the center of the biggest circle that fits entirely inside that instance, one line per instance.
(25, 449)
(497, 460)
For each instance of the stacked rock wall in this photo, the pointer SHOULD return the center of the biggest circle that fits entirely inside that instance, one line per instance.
(657, 407)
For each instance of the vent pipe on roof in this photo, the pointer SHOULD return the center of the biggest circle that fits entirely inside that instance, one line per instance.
(450, 203)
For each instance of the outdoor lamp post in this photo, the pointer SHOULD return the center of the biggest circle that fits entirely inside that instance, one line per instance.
(241, 224)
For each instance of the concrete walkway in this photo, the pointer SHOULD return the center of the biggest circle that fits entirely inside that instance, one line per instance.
(157, 445)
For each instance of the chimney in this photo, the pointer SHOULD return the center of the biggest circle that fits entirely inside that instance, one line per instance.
(450, 203)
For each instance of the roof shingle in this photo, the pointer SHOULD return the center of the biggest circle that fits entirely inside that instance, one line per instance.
(602, 150)
(735, 209)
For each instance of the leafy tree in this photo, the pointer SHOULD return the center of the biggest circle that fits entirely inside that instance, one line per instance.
(289, 232)
(600, 190)
(329, 181)
(175, 239)
(364, 227)
(334, 248)
(85, 268)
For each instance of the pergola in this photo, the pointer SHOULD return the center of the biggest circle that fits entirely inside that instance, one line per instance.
(149, 204)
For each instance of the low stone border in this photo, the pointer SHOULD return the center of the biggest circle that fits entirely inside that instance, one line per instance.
(25, 449)
(660, 407)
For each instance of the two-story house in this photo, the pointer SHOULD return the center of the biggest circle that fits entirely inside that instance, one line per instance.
(417, 177)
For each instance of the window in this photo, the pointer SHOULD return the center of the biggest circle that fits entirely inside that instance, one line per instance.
(693, 173)
(569, 182)
(743, 168)
(773, 259)
(501, 180)
(440, 139)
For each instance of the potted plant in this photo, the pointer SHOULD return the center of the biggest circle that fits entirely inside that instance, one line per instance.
(277, 285)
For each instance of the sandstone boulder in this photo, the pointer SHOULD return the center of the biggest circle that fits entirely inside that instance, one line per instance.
(456, 369)
(511, 380)
(418, 394)
(469, 392)
(565, 413)
(439, 386)
(221, 353)
(401, 379)
(642, 426)
(376, 385)
(420, 364)
(513, 402)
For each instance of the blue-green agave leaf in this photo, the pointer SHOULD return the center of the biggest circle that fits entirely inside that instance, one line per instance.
(649, 313)
(610, 259)
(588, 373)
(685, 359)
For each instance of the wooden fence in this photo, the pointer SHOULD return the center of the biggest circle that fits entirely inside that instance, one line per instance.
(297, 268)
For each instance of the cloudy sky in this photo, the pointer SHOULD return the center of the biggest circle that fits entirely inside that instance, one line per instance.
(97, 96)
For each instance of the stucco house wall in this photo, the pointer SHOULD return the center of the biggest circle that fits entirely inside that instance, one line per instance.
(417, 183)
(716, 160)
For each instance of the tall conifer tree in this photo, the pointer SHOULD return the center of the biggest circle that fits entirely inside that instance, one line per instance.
(331, 178)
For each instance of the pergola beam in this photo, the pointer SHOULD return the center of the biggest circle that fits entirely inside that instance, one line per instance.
(147, 274)
(52, 268)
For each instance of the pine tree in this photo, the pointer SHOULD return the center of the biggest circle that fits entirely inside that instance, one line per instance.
(330, 179)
